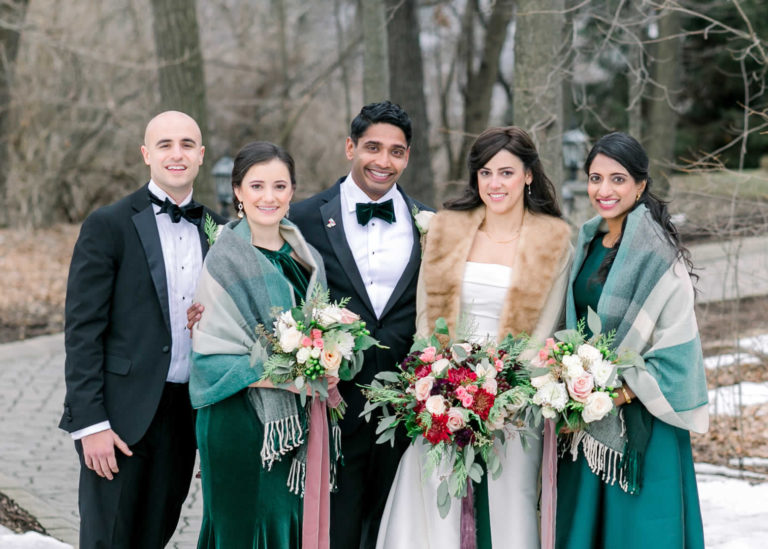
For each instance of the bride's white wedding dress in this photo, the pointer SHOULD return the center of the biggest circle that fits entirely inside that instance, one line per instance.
(411, 518)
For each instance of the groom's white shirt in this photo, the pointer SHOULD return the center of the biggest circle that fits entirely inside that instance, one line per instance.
(381, 250)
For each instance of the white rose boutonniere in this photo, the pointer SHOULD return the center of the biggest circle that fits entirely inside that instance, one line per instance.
(422, 218)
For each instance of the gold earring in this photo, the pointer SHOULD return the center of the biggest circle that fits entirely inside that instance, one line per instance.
(637, 198)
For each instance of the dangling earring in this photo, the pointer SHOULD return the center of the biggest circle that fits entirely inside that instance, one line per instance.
(637, 198)
(240, 213)
(529, 189)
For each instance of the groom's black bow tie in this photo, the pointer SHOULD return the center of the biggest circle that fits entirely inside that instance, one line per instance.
(365, 211)
(192, 212)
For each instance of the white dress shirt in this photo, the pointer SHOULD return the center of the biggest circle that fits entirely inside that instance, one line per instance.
(381, 250)
(183, 261)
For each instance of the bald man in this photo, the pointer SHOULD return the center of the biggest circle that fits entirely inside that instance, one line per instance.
(133, 274)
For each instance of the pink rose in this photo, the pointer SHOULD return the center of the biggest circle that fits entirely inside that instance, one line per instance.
(471, 389)
(348, 317)
(331, 360)
(317, 343)
(316, 334)
(464, 396)
(581, 387)
(550, 343)
(428, 354)
(455, 420)
(306, 341)
(423, 387)
(435, 405)
(498, 364)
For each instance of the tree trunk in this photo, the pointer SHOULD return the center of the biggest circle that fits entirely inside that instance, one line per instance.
(375, 62)
(662, 119)
(407, 90)
(477, 97)
(538, 89)
(181, 74)
(12, 14)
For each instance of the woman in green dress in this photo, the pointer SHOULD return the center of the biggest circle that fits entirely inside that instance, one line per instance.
(628, 480)
(253, 437)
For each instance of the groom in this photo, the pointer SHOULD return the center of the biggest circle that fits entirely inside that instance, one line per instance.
(364, 229)
(133, 273)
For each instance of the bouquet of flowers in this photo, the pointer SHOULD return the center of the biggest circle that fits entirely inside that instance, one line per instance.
(315, 341)
(575, 377)
(458, 397)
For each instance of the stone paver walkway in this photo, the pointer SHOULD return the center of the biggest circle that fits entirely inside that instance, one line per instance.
(38, 463)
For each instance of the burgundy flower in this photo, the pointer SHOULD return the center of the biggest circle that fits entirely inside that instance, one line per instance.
(483, 403)
(457, 376)
(462, 437)
(438, 431)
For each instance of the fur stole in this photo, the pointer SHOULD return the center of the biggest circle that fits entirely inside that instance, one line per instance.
(544, 241)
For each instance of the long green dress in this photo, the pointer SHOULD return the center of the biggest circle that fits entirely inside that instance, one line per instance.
(244, 505)
(592, 514)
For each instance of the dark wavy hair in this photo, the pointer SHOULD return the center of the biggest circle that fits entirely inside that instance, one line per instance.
(259, 152)
(542, 198)
(628, 152)
(384, 112)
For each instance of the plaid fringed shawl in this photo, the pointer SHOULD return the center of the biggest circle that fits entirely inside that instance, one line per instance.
(239, 288)
(648, 299)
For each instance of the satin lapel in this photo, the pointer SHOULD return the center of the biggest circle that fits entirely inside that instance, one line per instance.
(201, 233)
(338, 240)
(146, 227)
(414, 262)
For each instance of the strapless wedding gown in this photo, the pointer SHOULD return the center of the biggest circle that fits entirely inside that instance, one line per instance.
(411, 518)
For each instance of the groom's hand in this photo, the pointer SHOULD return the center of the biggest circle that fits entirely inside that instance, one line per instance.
(99, 452)
(194, 314)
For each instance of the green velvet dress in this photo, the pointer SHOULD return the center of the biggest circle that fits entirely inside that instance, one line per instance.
(665, 514)
(244, 505)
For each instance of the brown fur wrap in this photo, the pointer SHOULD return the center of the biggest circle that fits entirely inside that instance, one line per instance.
(544, 242)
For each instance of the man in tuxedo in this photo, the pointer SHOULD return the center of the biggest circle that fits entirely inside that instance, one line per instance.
(364, 229)
(133, 273)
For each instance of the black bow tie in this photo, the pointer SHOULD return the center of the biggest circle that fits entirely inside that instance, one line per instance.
(365, 211)
(192, 212)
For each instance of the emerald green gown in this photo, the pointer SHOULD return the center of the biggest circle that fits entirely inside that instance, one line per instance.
(244, 505)
(592, 514)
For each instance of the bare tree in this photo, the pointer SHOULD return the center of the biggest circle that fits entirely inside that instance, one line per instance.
(407, 89)
(375, 51)
(181, 75)
(538, 92)
(12, 14)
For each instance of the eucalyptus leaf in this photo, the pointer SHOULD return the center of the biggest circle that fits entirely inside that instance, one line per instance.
(387, 436)
(469, 456)
(593, 321)
(443, 499)
(385, 423)
(392, 377)
(476, 472)
(299, 382)
(460, 352)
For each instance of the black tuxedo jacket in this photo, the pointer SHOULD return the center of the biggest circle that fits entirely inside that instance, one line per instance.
(117, 327)
(397, 324)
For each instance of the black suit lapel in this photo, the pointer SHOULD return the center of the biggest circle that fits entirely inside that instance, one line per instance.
(146, 227)
(414, 262)
(331, 210)
(201, 233)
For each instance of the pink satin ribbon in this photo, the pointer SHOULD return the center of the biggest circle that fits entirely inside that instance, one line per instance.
(548, 485)
(317, 483)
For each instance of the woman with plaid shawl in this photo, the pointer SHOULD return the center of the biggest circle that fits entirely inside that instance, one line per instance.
(628, 480)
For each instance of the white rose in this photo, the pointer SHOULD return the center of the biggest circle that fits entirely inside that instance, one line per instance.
(422, 387)
(573, 366)
(439, 366)
(455, 420)
(548, 412)
(435, 405)
(491, 385)
(552, 394)
(286, 320)
(603, 372)
(596, 407)
(290, 339)
(302, 355)
(315, 352)
(345, 343)
(331, 360)
(541, 381)
(422, 220)
(486, 370)
(329, 315)
(589, 354)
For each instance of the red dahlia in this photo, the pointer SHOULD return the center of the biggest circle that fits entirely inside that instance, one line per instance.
(483, 403)
(438, 432)
(459, 375)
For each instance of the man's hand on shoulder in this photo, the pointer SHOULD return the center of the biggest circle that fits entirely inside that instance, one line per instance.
(99, 452)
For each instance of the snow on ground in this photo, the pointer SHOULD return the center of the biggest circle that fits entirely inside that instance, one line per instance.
(28, 540)
(725, 400)
(727, 359)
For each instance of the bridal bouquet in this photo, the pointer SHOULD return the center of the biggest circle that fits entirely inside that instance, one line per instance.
(317, 340)
(575, 377)
(458, 397)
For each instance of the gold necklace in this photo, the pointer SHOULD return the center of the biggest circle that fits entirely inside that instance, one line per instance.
(515, 236)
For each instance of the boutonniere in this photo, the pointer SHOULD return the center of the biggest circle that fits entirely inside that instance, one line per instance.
(331, 223)
(422, 218)
(211, 229)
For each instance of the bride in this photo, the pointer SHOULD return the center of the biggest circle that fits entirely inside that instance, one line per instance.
(497, 256)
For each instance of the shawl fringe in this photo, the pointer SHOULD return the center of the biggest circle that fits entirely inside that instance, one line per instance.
(281, 437)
